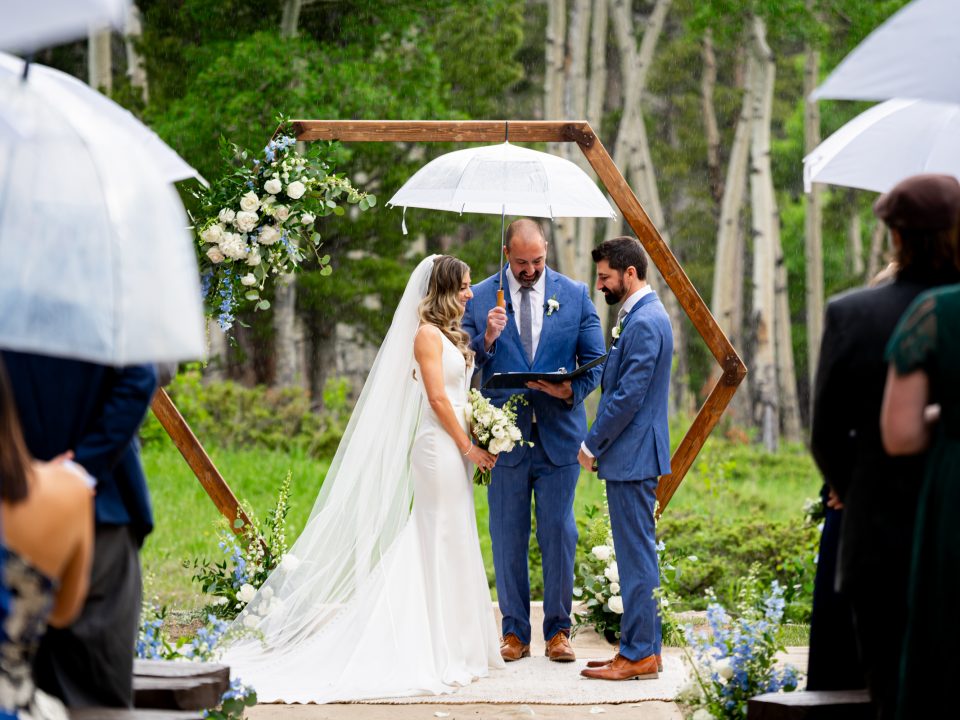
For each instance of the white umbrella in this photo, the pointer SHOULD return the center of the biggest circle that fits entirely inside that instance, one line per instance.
(887, 143)
(914, 54)
(96, 262)
(28, 25)
(65, 92)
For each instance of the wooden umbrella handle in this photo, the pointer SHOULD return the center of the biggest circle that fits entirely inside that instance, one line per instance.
(500, 301)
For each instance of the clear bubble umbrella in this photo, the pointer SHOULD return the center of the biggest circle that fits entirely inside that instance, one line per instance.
(28, 25)
(96, 259)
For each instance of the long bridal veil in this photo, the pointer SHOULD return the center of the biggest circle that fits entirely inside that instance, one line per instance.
(363, 505)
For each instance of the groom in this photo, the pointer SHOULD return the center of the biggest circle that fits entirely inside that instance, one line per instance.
(549, 323)
(629, 446)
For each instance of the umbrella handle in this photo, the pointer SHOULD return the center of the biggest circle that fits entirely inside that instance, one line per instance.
(500, 301)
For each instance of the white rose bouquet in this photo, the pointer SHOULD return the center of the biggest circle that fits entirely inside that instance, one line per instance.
(258, 221)
(495, 428)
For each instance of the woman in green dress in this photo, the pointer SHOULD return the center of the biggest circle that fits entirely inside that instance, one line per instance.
(921, 410)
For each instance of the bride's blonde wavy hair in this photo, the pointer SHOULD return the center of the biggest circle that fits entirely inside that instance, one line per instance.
(441, 306)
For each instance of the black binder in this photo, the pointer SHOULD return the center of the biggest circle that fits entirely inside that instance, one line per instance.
(520, 379)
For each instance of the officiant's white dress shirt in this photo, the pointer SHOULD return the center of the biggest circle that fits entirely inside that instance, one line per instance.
(537, 293)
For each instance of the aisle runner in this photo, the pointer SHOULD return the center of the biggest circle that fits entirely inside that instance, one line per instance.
(538, 681)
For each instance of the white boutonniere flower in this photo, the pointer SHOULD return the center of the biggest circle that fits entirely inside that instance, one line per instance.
(616, 331)
(552, 305)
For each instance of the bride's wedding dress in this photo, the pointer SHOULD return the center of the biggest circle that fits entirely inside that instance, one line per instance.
(407, 610)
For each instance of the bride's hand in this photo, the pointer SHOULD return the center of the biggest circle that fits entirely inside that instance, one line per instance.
(481, 458)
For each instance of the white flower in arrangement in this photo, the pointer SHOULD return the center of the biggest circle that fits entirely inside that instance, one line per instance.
(724, 668)
(296, 189)
(233, 246)
(281, 213)
(248, 280)
(185, 651)
(515, 434)
(616, 604)
(289, 562)
(615, 588)
(227, 216)
(246, 593)
(253, 259)
(602, 552)
(273, 185)
(247, 220)
(612, 572)
(251, 620)
(690, 692)
(702, 714)
(215, 255)
(307, 218)
(249, 202)
(269, 235)
(212, 234)
(222, 600)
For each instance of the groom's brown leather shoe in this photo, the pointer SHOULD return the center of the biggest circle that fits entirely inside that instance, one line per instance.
(604, 663)
(623, 669)
(559, 649)
(512, 649)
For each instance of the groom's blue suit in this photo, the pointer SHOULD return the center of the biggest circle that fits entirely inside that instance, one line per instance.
(631, 441)
(570, 336)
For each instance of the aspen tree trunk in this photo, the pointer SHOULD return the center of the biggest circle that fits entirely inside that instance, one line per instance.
(764, 258)
(875, 262)
(855, 236)
(135, 68)
(786, 369)
(813, 222)
(707, 85)
(99, 61)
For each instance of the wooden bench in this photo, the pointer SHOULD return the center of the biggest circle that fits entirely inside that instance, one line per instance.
(178, 685)
(96, 713)
(813, 705)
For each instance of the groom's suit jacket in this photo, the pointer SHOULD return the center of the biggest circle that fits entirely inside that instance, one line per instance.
(630, 436)
(95, 411)
(570, 336)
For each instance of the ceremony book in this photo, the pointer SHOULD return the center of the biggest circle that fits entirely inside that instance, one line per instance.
(520, 379)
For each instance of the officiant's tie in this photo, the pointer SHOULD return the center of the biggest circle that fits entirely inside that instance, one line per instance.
(526, 322)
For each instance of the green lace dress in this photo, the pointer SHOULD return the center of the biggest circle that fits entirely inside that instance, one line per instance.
(928, 339)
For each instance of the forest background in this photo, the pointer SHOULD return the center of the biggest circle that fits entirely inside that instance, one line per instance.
(702, 104)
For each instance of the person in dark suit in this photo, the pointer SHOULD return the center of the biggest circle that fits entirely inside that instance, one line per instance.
(94, 412)
(629, 447)
(868, 542)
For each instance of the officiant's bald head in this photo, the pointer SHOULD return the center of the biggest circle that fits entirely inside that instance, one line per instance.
(526, 230)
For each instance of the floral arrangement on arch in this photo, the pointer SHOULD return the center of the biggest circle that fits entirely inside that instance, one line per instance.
(259, 221)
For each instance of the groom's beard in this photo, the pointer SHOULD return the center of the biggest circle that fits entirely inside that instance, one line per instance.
(613, 296)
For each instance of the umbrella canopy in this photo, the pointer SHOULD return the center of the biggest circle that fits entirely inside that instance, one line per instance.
(886, 144)
(96, 261)
(914, 54)
(65, 92)
(28, 26)
(504, 180)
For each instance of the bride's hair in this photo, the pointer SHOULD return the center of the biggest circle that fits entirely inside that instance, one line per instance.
(441, 305)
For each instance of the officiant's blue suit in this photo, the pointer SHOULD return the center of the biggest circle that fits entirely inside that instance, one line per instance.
(630, 438)
(548, 472)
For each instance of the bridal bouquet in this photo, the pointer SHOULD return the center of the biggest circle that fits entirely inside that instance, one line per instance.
(259, 221)
(495, 428)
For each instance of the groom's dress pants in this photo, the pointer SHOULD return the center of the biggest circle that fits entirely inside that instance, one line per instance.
(552, 489)
(631, 504)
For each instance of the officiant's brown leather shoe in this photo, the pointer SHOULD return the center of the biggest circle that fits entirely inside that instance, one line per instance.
(604, 663)
(512, 649)
(623, 669)
(559, 649)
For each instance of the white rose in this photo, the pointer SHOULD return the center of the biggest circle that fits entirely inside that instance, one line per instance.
(221, 601)
(227, 215)
(615, 588)
(281, 213)
(246, 221)
(212, 234)
(273, 186)
(268, 236)
(233, 246)
(247, 591)
(612, 572)
(296, 189)
(602, 552)
(498, 431)
(215, 255)
(249, 202)
(248, 280)
(251, 621)
(290, 562)
(308, 218)
(616, 604)
(724, 668)
(615, 332)
(515, 434)
(702, 714)
(253, 259)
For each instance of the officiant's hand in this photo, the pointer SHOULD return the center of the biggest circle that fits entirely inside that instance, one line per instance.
(496, 322)
(562, 390)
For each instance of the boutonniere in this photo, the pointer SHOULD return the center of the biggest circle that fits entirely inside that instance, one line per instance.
(552, 305)
(616, 330)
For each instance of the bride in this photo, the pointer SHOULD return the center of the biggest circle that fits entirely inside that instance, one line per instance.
(376, 599)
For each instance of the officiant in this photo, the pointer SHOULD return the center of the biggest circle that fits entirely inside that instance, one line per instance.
(549, 323)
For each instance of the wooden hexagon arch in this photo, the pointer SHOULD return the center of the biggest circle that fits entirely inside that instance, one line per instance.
(491, 131)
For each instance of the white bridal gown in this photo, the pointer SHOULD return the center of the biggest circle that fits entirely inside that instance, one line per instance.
(422, 622)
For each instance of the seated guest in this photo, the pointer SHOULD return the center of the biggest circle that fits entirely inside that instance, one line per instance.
(46, 543)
